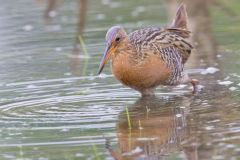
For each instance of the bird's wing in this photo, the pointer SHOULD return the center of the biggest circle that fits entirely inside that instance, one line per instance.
(173, 41)
(168, 43)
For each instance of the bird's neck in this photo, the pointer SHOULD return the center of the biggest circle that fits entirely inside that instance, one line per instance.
(120, 58)
(123, 49)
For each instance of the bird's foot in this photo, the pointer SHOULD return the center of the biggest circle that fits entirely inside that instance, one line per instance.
(197, 88)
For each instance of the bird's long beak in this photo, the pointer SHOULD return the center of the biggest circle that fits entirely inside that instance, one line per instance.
(107, 55)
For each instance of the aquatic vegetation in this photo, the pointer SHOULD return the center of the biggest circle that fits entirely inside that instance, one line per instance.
(95, 151)
(128, 118)
(84, 48)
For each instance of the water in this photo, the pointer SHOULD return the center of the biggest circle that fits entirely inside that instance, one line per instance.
(54, 106)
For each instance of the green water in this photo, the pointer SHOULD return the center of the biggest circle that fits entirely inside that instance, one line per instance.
(54, 106)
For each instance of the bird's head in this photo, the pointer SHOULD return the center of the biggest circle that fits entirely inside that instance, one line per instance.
(114, 38)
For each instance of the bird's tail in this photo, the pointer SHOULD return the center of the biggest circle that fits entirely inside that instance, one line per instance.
(180, 20)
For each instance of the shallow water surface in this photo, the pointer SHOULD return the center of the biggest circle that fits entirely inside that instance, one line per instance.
(54, 106)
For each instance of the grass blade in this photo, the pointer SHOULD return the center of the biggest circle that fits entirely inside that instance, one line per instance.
(82, 43)
(128, 118)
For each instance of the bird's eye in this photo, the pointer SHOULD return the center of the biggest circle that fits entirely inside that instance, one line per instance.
(117, 39)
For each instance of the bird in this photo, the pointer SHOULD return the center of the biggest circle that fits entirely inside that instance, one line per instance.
(151, 56)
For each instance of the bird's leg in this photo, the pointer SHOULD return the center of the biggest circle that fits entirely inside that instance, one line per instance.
(148, 92)
(196, 86)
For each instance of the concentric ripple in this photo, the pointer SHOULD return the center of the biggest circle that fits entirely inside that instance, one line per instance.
(64, 111)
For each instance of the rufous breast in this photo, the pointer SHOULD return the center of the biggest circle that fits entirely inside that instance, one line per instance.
(147, 73)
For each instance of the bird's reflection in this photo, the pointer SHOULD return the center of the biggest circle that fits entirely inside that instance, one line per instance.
(158, 128)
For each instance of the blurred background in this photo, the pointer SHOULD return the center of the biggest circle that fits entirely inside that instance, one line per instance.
(54, 106)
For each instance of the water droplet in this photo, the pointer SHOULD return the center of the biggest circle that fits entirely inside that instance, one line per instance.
(64, 130)
(35, 148)
(115, 4)
(67, 74)
(28, 28)
(140, 128)
(178, 115)
(105, 2)
(140, 9)
(100, 16)
(58, 49)
(52, 14)
(79, 155)
(31, 86)
(119, 18)
(134, 13)
(42, 158)
(209, 127)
